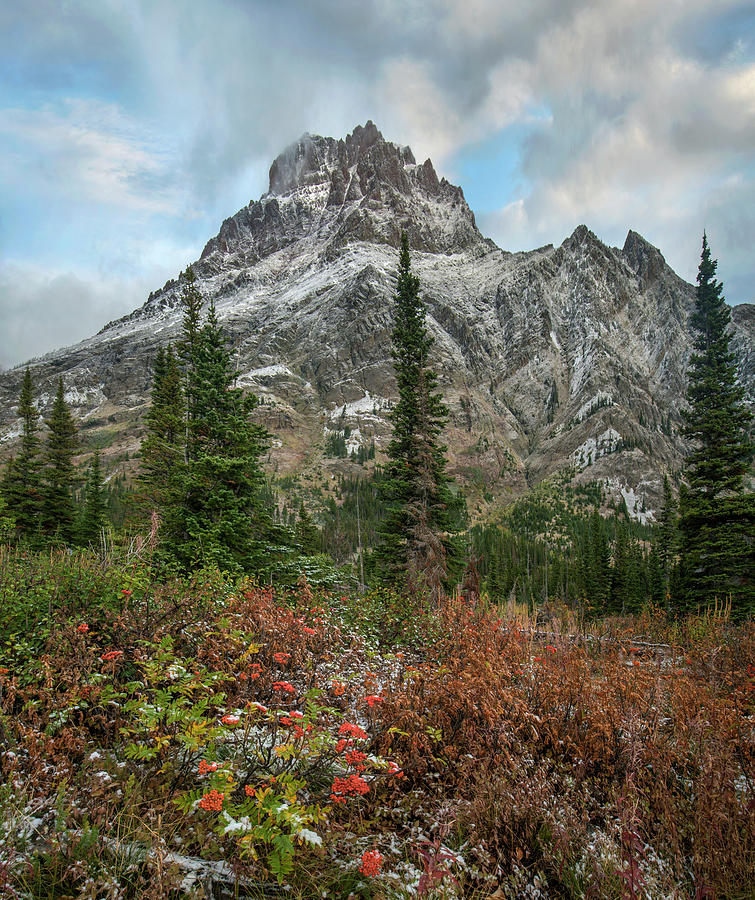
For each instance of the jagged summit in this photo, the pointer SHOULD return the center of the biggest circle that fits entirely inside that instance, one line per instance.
(312, 159)
(644, 259)
(359, 188)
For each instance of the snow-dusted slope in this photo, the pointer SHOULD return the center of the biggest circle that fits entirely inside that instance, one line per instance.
(574, 355)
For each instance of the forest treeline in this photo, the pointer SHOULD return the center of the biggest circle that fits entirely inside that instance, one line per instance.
(400, 521)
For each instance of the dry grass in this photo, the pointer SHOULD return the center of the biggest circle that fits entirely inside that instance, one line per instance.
(600, 767)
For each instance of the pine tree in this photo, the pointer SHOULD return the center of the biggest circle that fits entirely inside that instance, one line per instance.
(94, 511)
(220, 514)
(188, 354)
(23, 483)
(162, 450)
(619, 590)
(597, 575)
(58, 509)
(717, 519)
(7, 524)
(307, 535)
(667, 540)
(414, 546)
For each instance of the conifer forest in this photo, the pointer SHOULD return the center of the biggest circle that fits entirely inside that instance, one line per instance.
(217, 680)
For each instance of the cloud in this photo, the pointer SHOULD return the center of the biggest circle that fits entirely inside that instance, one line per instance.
(92, 152)
(156, 119)
(44, 308)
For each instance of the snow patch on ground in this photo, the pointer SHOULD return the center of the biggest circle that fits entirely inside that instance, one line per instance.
(9, 434)
(601, 398)
(273, 371)
(595, 447)
(77, 397)
(635, 501)
(354, 441)
(366, 407)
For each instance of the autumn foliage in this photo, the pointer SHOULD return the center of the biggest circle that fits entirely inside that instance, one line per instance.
(212, 721)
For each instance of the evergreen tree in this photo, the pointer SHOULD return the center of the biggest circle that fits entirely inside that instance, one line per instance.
(162, 461)
(188, 353)
(7, 525)
(307, 535)
(657, 582)
(58, 509)
(414, 545)
(620, 571)
(718, 518)
(23, 487)
(596, 558)
(220, 514)
(667, 540)
(94, 510)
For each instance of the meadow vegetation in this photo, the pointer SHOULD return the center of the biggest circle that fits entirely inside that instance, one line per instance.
(202, 734)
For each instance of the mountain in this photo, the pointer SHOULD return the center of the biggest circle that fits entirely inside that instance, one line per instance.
(571, 355)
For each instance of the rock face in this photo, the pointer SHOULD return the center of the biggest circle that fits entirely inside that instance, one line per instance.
(568, 356)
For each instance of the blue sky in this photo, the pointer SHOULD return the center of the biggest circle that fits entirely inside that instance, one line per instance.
(129, 131)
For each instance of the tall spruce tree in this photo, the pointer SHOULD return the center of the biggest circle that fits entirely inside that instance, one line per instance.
(667, 539)
(220, 517)
(188, 354)
(414, 542)
(717, 518)
(23, 483)
(306, 533)
(162, 451)
(59, 474)
(94, 510)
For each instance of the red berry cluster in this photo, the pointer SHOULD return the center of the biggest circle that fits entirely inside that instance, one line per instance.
(372, 862)
(356, 759)
(212, 801)
(352, 786)
(353, 730)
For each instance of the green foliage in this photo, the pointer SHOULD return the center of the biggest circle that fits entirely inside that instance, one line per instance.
(555, 545)
(94, 510)
(414, 545)
(7, 524)
(23, 479)
(386, 617)
(39, 589)
(162, 450)
(717, 518)
(58, 510)
(201, 459)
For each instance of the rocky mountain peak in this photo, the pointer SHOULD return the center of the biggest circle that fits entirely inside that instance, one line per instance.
(645, 260)
(315, 160)
(337, 191)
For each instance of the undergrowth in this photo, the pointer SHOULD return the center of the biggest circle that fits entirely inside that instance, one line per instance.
(160, 738)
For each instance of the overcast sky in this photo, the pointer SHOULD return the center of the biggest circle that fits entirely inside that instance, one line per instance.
(130, 130)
